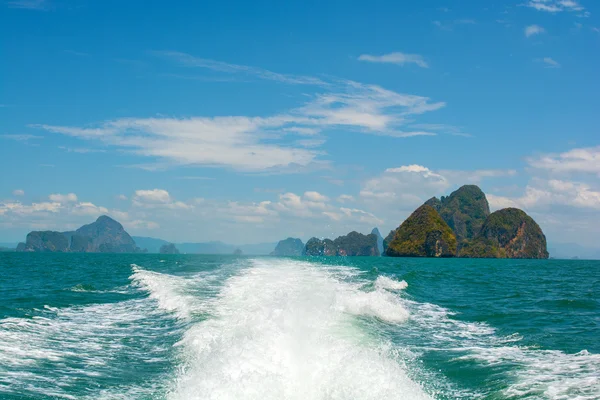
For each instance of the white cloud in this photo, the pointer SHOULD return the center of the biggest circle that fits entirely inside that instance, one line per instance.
(152, 196)
(63, 198)
(396, 58)
(554, 6)
(580, 160)
(532, 30)
(18, 192)
(157, 198)
(550, 62)
(409, 184)
(261, 143)
(89, 209)
(315, 196)
(121, 197)
(345, 198)
(540, 194)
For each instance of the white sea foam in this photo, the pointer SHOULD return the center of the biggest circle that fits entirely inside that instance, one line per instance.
(534, 373)
(285, 329)
(383, 282)
(68, 346)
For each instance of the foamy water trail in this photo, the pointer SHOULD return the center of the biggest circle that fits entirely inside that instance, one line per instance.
(288, 330)
(534, 373)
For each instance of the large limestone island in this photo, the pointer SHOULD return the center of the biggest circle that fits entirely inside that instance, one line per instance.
(353, 244)
(103, 236)
(289, 247)
(461, 225)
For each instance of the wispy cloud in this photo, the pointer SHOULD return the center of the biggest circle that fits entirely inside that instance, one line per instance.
(442, 128)
(550, 63)
(532, 30)
(30, 4)
(396, 58)
(77, 53)
(262, 144)
(554, 6)
(22, 138)
(219, 66)
(81, 150)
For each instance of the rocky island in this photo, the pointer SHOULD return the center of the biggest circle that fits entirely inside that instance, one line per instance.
(507, 233)
(353, 244)
(289, 247)
(461, 225)
(168, 248)
(105, 235)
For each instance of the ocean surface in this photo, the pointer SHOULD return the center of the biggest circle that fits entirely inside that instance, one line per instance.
(96, 326)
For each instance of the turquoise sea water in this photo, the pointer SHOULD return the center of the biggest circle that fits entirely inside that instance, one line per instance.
(94, 326)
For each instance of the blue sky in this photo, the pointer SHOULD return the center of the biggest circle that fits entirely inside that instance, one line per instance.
(254, 121)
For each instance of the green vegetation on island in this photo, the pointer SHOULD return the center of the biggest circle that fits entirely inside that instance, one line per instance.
(469, 230)
(423, 234)
(289, 247)
(353, 244)
(465, 211)
(507, 233)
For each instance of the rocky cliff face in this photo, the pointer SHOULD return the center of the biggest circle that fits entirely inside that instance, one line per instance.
(465, 211)
(423, 234)
(168, 248)
(289, 247)
(45, 241)
(375, 232)
(103, 236)
(353, 244)
(507, 233)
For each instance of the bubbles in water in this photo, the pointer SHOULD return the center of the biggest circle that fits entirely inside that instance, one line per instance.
(286, 330)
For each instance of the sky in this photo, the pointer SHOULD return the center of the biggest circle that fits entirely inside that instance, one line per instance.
(251, 122)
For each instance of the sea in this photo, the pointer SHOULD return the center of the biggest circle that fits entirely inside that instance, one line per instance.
(149, 326)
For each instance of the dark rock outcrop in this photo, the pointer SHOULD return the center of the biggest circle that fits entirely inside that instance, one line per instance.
(289, 247)
(423, 234)
(45, 241)
(238, 252)
(375, 232)
(168, 249)
(353, 244)
(465, 211)
(103, 236)
(317, 247)
(507, 233)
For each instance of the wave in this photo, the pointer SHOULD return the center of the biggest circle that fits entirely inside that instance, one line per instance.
(286, 329)
(61, 348)
(533, 372)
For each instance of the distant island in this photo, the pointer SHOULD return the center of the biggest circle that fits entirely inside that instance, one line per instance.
(105, 235)
(458, 225)
(353, 244)
(168, 248)
(289, 247)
